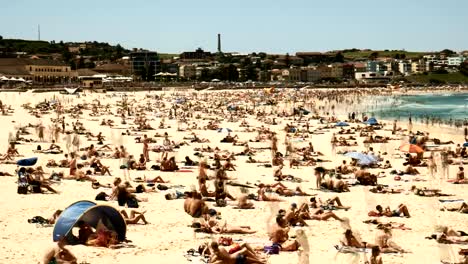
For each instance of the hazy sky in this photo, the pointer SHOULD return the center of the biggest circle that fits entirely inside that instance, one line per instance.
(246, 25)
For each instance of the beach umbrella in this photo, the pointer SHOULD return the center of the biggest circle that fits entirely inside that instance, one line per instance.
(341, 124)
(363, 159)
(372, 121)
(224, 130)
(411, 148)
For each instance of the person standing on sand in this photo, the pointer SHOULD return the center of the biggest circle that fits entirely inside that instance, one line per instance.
(76, 142)
(444, 163)
(145, 148)
(41, 132)
(274, 145)
(410, 124)
(432, 166)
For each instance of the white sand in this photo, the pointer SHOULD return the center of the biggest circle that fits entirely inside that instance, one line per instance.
(168, 236)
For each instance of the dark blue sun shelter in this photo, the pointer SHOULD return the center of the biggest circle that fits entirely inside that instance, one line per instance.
(92, 214)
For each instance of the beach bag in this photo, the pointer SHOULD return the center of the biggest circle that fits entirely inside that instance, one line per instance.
(36, 189)
(132, 203)
(271, 250)
(221, 203)
(162, 187)
(22, 184)
(22, 190)
(101, 196)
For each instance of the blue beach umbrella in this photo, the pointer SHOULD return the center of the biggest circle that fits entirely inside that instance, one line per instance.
(363, 159)
(341, 124)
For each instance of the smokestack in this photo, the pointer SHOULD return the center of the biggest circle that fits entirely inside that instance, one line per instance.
(219, 43)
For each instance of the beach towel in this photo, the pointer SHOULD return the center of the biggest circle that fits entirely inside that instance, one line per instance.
(346, 249)
(237, 184)
(451, 200)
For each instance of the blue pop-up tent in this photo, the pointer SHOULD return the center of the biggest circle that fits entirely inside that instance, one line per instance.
(92, 214)
(371, 121)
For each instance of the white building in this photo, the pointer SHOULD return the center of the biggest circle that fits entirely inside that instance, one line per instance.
(370, 77)
(188, 72)
(455, 61)
(404, 67)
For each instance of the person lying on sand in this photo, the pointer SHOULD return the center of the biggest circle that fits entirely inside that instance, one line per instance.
(262, 196)
(211, 225)
(283, 191)
(2, 173)
(427, 192)
(401, 210)
(59, 254)
(382, 189)
(444, 239)
(329, 204)
(317, 214)
(462, 209)
(134, 217)
(392, 225)
(237, 254)
(42, 220)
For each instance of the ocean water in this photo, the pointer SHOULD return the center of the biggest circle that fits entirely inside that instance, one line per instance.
(443, 107)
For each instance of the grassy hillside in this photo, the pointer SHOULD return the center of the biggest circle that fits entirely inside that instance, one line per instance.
(439, 78)
(356, 54)
(167, 55)
(31, 46)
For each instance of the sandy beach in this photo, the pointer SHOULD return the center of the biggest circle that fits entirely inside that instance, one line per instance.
(168, 236)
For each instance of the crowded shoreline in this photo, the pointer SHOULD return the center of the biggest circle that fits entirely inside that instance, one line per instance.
(271, 156)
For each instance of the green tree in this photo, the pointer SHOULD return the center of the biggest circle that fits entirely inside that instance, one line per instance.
(287, 60)
(339, 57)
(262, 55)
(374, 55)
(81, 63)
(464, 68)
(448, 52)
(205, 75)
